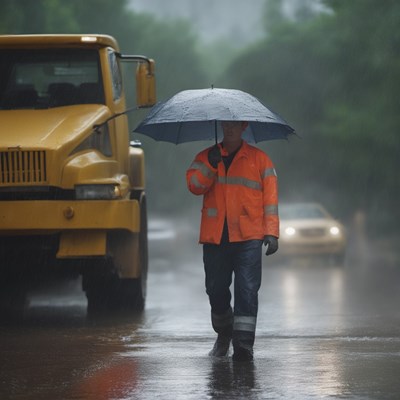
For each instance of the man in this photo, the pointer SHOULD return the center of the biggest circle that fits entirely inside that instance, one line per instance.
(240, 213)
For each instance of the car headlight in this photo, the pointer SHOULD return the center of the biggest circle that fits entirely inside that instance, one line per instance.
(334, 230)
(290, 231)
(97, 192)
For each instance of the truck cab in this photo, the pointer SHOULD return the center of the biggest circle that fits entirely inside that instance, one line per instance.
(72, 188)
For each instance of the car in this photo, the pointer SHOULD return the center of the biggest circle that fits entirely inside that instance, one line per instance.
(307, 229)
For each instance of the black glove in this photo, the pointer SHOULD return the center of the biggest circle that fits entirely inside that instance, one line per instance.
(214, 156)
(272, 244)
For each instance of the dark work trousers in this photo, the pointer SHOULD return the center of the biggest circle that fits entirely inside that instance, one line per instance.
(243, 259)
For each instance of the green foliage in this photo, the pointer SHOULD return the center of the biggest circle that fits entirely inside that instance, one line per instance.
(40, 16)
(335, 78)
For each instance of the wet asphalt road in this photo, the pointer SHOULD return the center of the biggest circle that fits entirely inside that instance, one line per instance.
(323, 332)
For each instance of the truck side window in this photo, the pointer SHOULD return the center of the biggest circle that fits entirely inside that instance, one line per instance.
(115, 75)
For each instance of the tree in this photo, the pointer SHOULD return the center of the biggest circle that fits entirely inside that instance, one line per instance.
(40, 16)
(335, 79)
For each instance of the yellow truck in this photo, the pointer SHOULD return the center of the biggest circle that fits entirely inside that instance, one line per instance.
(72, 185)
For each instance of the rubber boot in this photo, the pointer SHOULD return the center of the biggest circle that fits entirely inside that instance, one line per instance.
(223, 325)
(242, 354)
(221, 346)
(243, 342)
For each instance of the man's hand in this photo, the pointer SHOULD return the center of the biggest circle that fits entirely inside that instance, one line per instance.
(271, 242)
(214, 156)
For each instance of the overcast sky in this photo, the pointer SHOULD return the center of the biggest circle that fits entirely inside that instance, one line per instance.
(240, 20)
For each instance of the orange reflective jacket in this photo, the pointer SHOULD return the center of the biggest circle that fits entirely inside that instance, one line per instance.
(247, 196)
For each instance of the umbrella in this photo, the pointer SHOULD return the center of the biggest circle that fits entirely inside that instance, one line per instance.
(192, 115)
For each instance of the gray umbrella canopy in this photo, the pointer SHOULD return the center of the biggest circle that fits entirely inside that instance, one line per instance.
(192, 115)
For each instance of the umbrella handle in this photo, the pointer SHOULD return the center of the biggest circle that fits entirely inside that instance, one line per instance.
(215, 130)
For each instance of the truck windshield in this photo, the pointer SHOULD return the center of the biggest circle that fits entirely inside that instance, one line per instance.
(49, 78)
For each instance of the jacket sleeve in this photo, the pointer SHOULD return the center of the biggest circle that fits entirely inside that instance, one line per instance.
(201, 175)
(270, 198)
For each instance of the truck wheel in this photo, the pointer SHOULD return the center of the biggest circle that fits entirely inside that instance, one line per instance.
(131, 293)
(135, 289)
(106, 291)
(141, 283)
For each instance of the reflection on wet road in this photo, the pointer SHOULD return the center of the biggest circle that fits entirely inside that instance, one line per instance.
(323, 331)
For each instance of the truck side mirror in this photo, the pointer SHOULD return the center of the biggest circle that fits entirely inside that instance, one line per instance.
(145, 84)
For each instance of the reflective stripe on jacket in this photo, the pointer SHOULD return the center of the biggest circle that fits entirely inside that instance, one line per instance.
(247, 196)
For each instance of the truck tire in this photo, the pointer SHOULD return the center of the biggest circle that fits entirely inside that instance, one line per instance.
(139, 285)
(106, 292)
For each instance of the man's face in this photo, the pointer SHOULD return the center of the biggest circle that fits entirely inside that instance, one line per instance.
(233, 130)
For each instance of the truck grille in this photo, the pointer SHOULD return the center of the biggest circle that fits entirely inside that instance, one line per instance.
(20, 166)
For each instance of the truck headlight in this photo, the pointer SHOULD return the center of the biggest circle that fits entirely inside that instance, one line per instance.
(97, 192)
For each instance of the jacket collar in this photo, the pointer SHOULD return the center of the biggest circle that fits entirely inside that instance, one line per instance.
(244, 150)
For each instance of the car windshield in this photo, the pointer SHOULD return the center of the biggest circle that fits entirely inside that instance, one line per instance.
(49, 78)
(301, 211)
